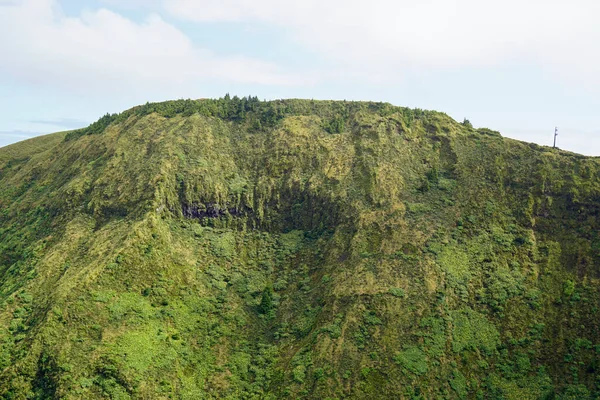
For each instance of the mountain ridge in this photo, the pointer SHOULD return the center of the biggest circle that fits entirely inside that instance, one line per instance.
(235, 248)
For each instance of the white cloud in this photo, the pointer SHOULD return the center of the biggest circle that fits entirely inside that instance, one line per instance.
(560, 37)
(103, 51)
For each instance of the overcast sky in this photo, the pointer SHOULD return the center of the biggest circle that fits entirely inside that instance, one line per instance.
(520, 67)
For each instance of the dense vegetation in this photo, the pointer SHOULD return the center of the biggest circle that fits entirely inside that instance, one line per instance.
(241, 249)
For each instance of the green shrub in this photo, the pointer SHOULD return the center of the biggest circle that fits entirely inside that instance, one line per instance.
(266, 302)
(500, 286)
(318, 374)
(434, 336)
(299, 373)
(397, 292)
(370, 318)
(569, 288)
(418, 208)
(335, 125)
(458, 383)
(471, 331)
(433, 176)
(413, 359)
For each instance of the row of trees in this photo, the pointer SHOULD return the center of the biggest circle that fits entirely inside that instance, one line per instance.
(255, 113)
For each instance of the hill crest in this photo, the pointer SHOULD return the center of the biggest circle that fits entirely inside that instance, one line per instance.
(234, 248)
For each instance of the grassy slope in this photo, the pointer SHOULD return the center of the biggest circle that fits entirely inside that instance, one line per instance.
(304, 249)
(27, 148)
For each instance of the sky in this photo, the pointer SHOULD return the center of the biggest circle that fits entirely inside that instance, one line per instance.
(519, 67)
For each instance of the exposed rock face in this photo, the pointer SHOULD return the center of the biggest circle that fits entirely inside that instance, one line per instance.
(210, 210)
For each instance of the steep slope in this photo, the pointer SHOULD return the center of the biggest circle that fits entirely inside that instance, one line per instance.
(242, 249)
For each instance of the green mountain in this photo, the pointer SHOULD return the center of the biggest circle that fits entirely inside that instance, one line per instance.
(239, 249)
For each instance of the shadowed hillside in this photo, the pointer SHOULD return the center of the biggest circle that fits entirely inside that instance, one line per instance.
(239, 249)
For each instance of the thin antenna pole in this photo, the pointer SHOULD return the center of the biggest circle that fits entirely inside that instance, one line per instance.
(555, 135)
